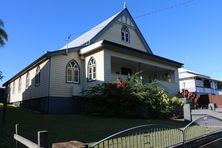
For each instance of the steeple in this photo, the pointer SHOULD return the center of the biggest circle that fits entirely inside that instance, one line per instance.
(125, 5)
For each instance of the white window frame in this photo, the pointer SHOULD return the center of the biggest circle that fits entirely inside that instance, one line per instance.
(37, 76)
(72, 72)
(125, 34)
(19, 84)
(27, 80)
(13, 87)
(92, 69)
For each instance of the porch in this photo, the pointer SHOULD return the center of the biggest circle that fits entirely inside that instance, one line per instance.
(148, 73)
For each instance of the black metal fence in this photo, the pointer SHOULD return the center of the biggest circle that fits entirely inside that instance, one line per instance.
(161, 136)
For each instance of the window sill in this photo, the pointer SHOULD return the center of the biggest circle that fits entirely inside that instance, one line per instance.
(91, 80)
(37, 85)
(73, 82)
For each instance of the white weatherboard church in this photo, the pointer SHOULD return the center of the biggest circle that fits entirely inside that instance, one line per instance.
(114, 48)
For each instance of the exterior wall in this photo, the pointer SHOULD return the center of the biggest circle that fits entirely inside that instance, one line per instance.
(100, 68)
(32, 91)
(58, 85)
(188, 84)
(114, 35)
(193, 85)
(215, 99)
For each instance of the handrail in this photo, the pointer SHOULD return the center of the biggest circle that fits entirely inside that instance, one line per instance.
(25, 141)
(123, 131)
(199, 119)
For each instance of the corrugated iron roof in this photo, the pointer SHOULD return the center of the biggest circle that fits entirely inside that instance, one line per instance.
(89, 35)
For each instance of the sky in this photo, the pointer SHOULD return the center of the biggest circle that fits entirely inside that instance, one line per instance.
(187, 31)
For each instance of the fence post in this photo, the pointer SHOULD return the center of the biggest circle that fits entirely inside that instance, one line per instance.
(183, 137)
(43, 139)
(16, 132)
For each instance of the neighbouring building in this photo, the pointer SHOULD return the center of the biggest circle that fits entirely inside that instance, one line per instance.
(114, 48)
(199, 83)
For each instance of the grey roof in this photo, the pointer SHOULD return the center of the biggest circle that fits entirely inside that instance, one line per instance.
(44, 57)
(89, 35)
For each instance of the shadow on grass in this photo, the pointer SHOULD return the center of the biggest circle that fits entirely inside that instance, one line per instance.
(67, 127)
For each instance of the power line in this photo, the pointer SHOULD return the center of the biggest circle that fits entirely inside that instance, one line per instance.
(166, 8)
(142, 15)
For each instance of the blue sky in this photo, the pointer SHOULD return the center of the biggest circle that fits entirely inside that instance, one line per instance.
(190, 33)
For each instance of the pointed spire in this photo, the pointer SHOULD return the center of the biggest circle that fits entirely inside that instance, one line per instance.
(125, 5)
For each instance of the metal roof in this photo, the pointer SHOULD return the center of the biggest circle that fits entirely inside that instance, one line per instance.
(89, 35)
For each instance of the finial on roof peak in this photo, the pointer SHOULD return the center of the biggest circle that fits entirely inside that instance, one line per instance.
(125, 5)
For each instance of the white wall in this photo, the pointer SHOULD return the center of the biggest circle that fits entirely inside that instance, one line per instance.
(58, 85)
(100, 70)
(32, 91)
(114, 34)
(188, 84)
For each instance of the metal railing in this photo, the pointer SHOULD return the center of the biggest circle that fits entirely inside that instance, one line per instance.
(202, 126)
(161, 136)
(149, 135)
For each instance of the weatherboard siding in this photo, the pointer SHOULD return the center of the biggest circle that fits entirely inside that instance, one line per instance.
(58, 85)
(113, 34)
(32, 91)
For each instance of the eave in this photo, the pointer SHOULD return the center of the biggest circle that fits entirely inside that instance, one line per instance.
(104, 44)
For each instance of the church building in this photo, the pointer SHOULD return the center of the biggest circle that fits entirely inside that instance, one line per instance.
(114, 48)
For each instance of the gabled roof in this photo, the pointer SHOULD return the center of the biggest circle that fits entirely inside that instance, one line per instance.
(90, 36)
(44, 57)
(104, 44)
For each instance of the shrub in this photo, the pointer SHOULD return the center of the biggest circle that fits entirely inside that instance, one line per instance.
(176, 105)
(129, 98)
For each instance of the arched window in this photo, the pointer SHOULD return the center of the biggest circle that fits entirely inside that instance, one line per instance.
(19, 84)
(27, 80)
(125, 35)
(92, 69)
(72, 72)
(13, 87)
(37, 76)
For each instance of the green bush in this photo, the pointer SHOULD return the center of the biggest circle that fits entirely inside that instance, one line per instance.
(130, 98)
(176, 106)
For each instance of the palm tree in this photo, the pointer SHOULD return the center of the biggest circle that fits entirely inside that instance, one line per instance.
(3, 38)
(3, 34)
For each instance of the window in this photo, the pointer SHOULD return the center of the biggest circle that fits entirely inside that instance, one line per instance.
(20, 85)
(13, 87)
(125, 34)
(92, 69)
(27, 80)
(206, 84)
(37, 76)
(72, 72)
(126, 71)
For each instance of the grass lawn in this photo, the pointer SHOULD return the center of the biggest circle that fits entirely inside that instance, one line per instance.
(66, 127)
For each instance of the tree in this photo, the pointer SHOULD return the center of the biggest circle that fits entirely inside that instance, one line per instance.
(3, 34)
(3, 38)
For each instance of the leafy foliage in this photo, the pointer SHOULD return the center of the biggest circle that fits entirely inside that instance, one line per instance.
(130, 98)
(1, 76)
(191, 97)
(3, 34)
(176, 106)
